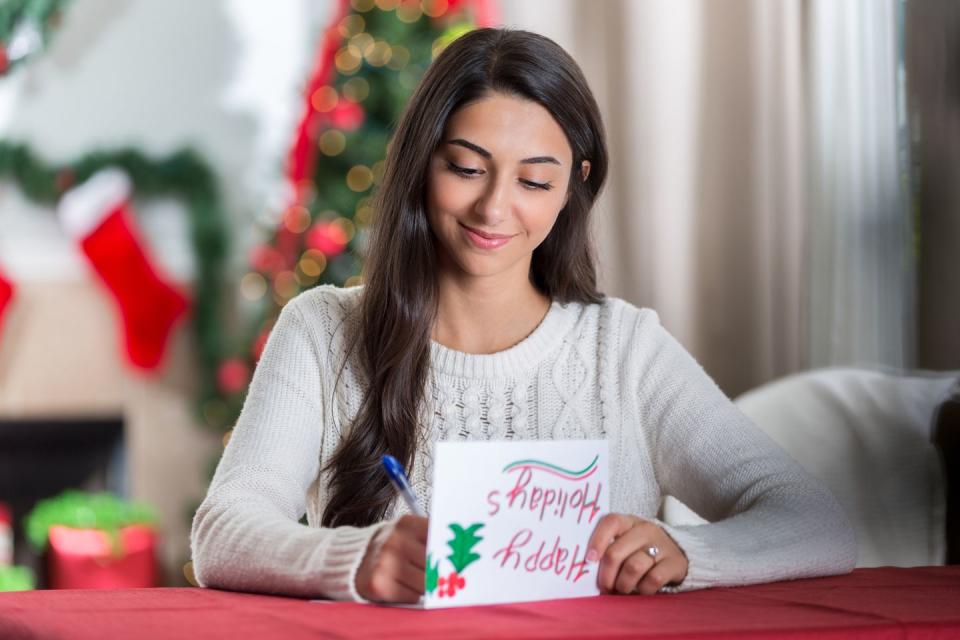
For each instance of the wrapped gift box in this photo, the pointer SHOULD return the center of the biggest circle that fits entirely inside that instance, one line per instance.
(6, 536)
(86, 559)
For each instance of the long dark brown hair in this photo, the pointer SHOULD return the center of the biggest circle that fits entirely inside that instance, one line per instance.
(399, 301)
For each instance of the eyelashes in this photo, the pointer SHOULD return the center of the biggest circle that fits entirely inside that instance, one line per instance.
(469, 173)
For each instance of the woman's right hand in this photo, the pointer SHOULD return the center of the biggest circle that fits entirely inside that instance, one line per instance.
(393, 568)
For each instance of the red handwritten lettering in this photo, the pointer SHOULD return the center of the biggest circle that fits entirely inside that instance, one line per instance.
(590, 506)
(519, 490)
(493, 503)
(510, 552)
(557, 560)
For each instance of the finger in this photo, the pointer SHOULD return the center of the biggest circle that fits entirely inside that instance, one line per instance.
(407, 595)
(415, 525)
(670, 569)
(617, 553)
(392, 572)
(608, 528)
(387, 589)
(633, 569)
(404, 546)
(411, 576)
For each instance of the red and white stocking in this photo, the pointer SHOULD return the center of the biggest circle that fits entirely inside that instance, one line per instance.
(98, 215)
(6, 295)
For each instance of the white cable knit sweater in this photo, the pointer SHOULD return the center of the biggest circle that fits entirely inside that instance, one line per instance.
(605, 370)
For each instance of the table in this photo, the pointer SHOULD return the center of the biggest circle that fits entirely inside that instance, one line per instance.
(869, 603)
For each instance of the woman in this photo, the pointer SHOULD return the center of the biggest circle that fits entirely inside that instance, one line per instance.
(480, 319)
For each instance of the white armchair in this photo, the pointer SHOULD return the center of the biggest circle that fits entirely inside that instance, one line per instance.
(867, 435)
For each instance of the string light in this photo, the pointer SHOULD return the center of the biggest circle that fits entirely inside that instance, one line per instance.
(214, 411)
(312, 263)
(434, 8)
(332, 142)
(253, 286)
(387, 5)
(364, 212)
(400, 57)
(296, 219)
(378, 169)
(409, 11)
(351, 25)
(380, 54)
(348, 60)
(349, 229)
(353, 281)
(359, 178)
(357, 89)
(363, 42)
(362, 5)
(324, 99)
(285, 285)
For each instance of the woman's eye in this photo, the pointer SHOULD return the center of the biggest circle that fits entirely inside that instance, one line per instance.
(469, 173)
(462, 170)
(546, 186)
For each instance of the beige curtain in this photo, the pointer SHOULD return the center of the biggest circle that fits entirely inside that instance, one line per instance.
(703, 216)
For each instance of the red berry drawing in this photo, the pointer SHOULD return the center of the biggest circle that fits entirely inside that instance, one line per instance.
(451, 584)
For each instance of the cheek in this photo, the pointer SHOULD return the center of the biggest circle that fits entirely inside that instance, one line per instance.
(540, 217)
(450, 194)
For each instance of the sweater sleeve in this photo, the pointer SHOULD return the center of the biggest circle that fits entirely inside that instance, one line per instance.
(246, 534)
(768, 519)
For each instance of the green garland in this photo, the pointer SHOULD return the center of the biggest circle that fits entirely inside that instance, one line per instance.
(182, 174)
(81, 510)
(14, 578)
(15, 15)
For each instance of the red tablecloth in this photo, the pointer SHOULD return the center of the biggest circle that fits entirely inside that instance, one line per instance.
(869, 603)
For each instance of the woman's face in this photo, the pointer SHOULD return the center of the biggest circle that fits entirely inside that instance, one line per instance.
(495, 186)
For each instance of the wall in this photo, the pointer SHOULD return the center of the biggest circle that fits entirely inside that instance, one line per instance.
(222, 77)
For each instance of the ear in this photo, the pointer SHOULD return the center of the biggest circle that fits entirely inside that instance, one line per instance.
(584, 172)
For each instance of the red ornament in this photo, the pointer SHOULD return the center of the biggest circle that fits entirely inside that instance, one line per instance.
(266, 259)
(233, 376)
(4, 60)
(7, 291)
(347, 115)
(260, 343)
(328, 238)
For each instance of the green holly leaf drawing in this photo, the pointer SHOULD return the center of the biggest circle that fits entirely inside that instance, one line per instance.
(462, 544)
(433, 575)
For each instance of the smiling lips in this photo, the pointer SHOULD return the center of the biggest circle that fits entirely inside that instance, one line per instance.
(483, 240)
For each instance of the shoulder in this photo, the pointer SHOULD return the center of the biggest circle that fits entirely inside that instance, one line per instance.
(325, 304)
(619, 321)
(326, 312)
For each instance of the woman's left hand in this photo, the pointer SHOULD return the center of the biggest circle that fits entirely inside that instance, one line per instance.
(636, 555)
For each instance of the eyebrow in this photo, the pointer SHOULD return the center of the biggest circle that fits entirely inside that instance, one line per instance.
(486, 154)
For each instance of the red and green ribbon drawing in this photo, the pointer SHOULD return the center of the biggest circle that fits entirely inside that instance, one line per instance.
(540, 465)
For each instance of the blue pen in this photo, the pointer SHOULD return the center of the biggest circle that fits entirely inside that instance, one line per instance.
(399, 479)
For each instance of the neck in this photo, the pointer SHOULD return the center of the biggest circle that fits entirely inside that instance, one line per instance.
(488, 314)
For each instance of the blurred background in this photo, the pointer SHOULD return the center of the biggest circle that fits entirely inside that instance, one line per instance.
(783, 192)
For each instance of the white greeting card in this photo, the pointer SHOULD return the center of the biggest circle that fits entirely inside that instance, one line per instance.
(510, 521)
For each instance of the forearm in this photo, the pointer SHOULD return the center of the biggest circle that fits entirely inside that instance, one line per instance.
(244, 544)
(787, 534)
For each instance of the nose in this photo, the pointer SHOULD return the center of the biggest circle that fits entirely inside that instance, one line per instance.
(493, 206)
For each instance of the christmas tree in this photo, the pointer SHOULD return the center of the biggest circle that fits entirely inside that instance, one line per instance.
(370, 60)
